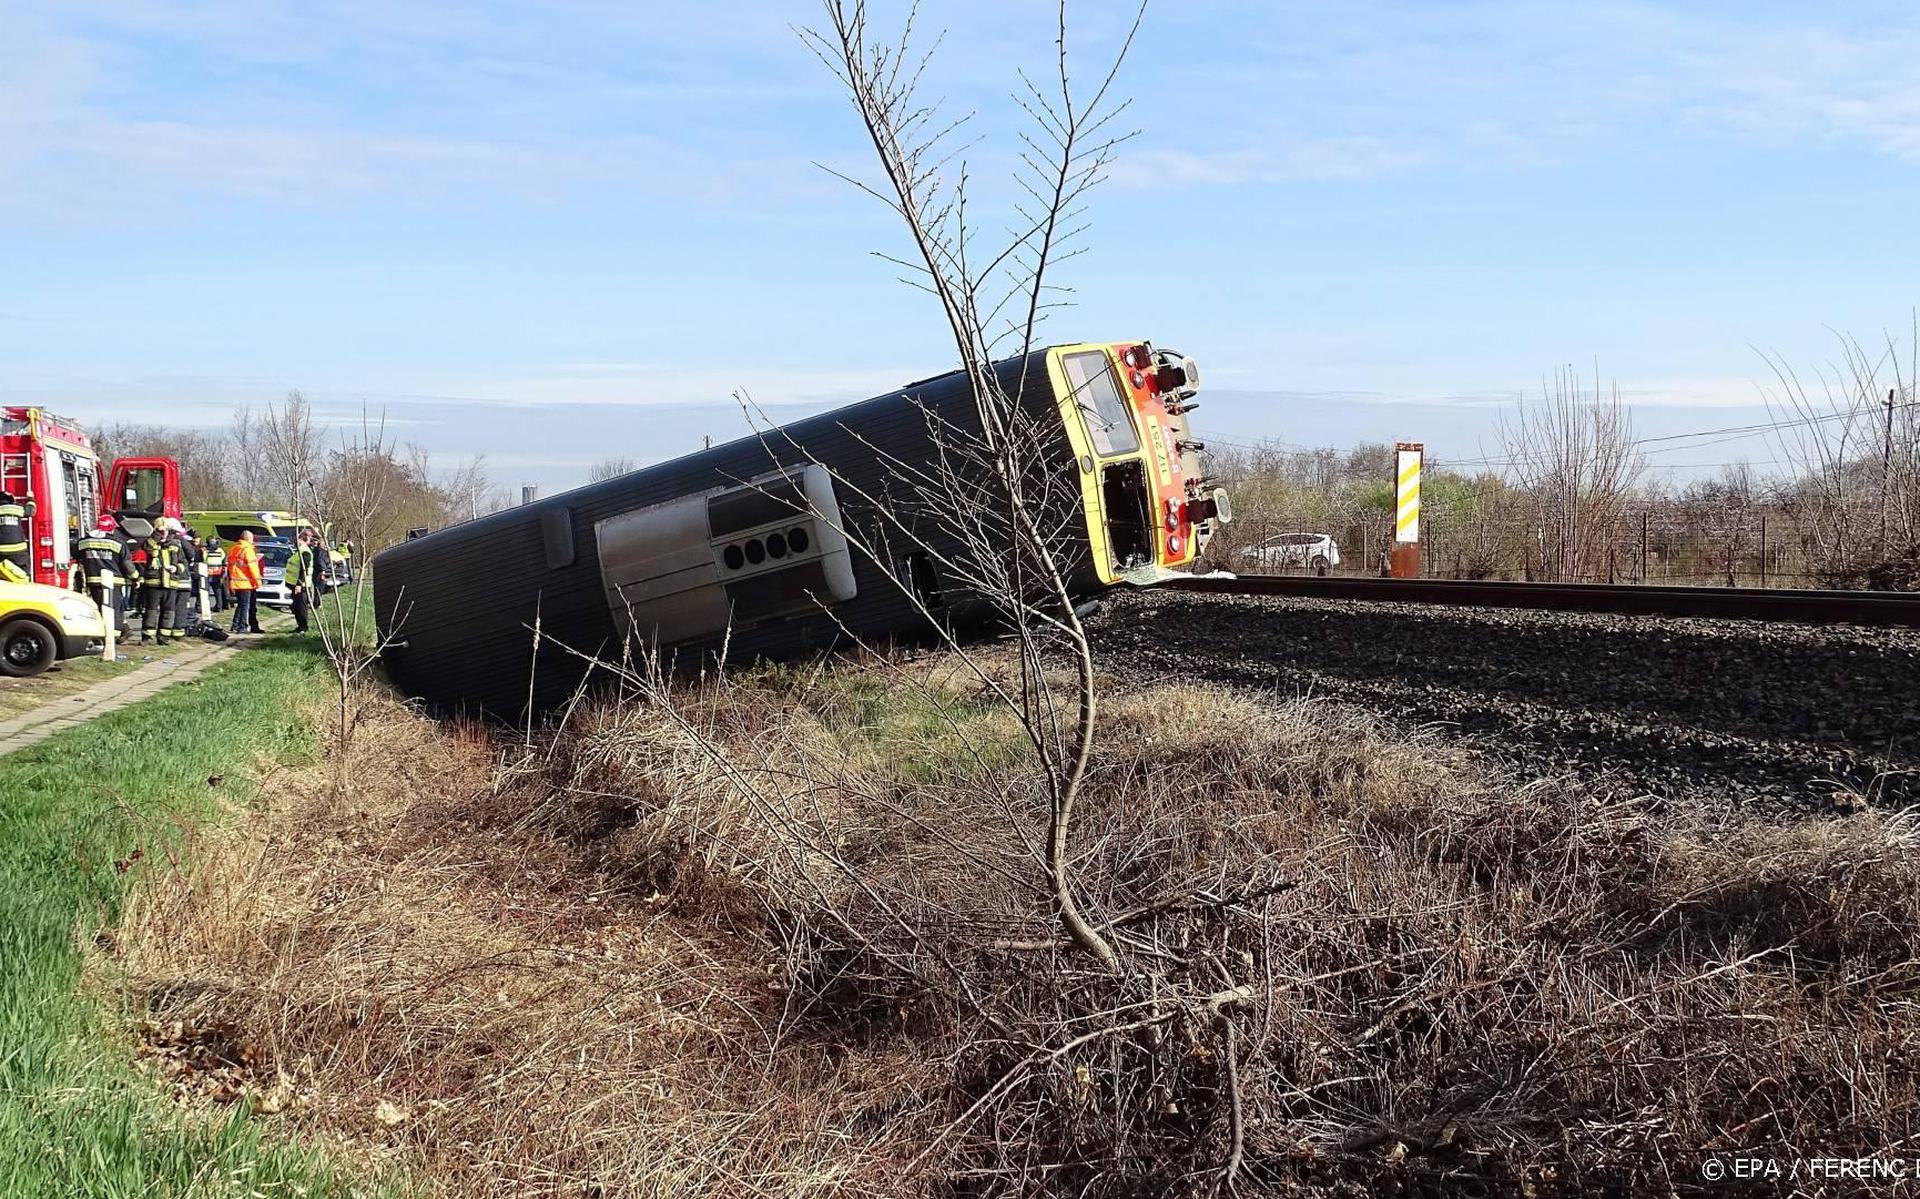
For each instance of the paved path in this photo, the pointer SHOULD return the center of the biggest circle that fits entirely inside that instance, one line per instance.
(72, 711)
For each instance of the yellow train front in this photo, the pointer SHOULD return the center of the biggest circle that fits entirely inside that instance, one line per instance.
(861, 523)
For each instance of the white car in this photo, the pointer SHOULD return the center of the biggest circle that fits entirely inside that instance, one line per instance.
(1311, 551)
(274, 552)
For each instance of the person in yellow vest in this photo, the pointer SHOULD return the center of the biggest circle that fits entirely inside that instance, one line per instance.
(217, 573)
(163, 587)
(302, 570)
(16, 556)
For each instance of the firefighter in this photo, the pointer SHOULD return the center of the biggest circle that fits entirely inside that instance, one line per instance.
(163, 583)
(16, 557)
(101, 553)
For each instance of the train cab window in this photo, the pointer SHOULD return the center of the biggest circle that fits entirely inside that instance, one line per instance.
(1130, 528)
(1109, 422)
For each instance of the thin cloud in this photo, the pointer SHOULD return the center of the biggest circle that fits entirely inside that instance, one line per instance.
(1314, 159)
(1390, 90)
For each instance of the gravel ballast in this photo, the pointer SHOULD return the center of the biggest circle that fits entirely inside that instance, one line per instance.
(1770, 718)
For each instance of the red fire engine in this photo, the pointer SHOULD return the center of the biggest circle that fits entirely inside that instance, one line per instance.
(46, 461)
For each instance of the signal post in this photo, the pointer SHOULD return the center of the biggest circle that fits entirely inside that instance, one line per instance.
(1403, 560)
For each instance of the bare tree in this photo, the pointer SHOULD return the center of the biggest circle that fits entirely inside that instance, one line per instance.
(1724, 512)
(1854, 434)
(611, 468)
(252, 465)
(208, 478)
(1574, 453)
(288, 443)
(467, 491)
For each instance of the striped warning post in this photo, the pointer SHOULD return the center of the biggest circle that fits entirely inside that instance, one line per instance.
(1406, 527)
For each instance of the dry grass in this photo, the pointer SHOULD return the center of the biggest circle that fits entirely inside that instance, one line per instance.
(755, 942)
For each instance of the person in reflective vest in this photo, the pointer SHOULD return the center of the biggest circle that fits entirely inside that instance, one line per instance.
(217, 573)
(16, 554)
(105, 559)
(243, 578)
(191, 556)
(163, 586)
(299, 577)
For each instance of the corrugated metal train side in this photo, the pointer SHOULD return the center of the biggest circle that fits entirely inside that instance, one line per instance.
(460, 604)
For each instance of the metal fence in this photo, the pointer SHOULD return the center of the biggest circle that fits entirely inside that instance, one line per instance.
(1664, 544)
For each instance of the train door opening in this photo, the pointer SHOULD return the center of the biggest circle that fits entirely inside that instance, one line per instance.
(1124, 495)
(924, 579)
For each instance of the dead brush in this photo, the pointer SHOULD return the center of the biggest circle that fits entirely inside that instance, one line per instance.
(431, 969)
(744, 938)
(1366, 959)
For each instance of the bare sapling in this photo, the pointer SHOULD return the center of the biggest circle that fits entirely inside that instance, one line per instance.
(363, 482)
(990, 484)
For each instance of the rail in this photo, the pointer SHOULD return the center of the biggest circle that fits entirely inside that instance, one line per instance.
(1744, 603)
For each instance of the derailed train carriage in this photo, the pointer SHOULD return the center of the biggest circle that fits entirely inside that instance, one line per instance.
(776, 545)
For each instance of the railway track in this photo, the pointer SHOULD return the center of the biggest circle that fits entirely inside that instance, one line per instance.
(1630, 599)
(1810, 710)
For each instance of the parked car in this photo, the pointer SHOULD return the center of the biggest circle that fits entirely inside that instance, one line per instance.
(1289, 551)
(41, 625)
(274, 552)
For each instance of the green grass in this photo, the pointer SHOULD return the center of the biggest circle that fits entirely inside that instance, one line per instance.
(75, 1119)
(925, 734)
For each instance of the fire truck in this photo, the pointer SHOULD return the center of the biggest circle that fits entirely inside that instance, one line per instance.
(48, 463)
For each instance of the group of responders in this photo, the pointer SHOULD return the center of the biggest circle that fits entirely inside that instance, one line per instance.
(1874, 1167)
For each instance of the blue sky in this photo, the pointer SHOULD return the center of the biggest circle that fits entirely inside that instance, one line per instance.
(555, 233)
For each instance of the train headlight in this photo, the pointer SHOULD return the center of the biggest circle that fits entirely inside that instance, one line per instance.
(1215, 506)
(1176, 374)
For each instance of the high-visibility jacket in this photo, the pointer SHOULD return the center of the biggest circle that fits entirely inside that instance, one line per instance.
(243, 566)
(216, 560)
(300, 567)
(13, 530)
(97, 553)
(166, 567)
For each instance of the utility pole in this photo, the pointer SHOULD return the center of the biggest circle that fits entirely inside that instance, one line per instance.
(1643, 546)
(1886, 472)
